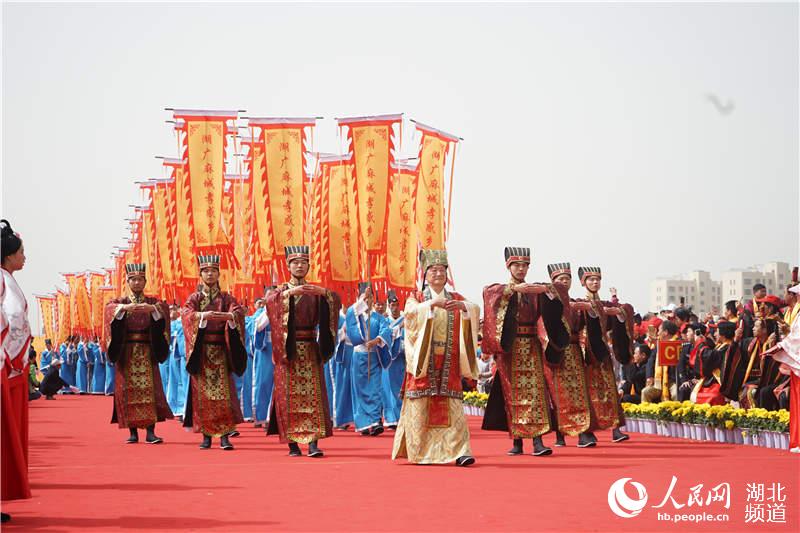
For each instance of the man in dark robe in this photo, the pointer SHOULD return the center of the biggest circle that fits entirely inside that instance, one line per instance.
(519, 400)
(709, 359)
(597, 319)
(213, 327)
(305, 320)
(138, 329)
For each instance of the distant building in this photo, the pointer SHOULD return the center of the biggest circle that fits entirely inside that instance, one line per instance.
(704, 294)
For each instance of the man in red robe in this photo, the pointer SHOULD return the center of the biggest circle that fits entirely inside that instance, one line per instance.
(519, 400)
(598, 322)
(567, 382)
(305, 322)
(138, 340)
(213, 325)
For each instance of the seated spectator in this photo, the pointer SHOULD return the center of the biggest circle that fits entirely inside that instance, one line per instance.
(635, 375)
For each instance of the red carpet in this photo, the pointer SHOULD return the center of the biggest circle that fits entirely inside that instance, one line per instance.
(85, 479)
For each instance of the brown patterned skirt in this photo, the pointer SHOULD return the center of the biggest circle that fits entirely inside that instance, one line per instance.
(139, 399)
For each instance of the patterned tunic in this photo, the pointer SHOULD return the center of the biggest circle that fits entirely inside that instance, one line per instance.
(137, 344)
(213, 351)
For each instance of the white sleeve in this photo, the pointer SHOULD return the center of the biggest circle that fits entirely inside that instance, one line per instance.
(262, 321)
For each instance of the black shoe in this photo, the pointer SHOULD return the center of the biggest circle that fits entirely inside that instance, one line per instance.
(585, 440)
(365, 432)
(560, 439)
(618, 436)
(134, 438)
(516, 449)
(224, 443)
(392, 427)
(154, 439)
(258, 424)
(465, 460)
(5, 517)
(539, 448)
(206, 444)
(294, 450)
(375, 431)
(50, 397)
(313, 450)
(234, 433)
(591, 436)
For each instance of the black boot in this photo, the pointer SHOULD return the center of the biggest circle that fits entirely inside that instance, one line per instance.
(560, 439)
(152, 438)
(465, 460)
(586, 440)
(618, 436)
(294, 450)
(206, 444)
(234, 433)
(313, 450)
(376, 430)
(539, 448)
(134, 438)
(5, 517)
(516, 449)
(591, 436)
(224, 443)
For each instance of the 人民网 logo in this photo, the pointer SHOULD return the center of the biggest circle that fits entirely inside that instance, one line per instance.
(619, 502)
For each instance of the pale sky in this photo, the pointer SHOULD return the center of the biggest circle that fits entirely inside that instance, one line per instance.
(588, 133)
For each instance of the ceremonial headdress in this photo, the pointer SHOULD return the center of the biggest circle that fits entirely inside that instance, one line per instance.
(429, 258)
(391, 296)
(556, 269)
(727, 329)
(585, 272)
(363, 286)
(208, 261)
(297, 252)
(517, 254)
(135, 269)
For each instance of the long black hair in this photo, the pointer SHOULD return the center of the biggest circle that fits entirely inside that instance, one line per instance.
(10, 243)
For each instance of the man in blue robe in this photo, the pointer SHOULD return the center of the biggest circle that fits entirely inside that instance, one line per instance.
(109, 373)
(244, 383)
(368, 330)
(341, 378)
(68, 356)
(48, 354)
(178, 376)
(395, 370)
(82, 368)
(98, 379)
(263, 367)
(163, 369)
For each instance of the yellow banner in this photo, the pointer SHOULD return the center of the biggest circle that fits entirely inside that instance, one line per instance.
(261, 205)
(64, 322)
(244, 245)
(343, 225)
(80, 311)
(285, 176)
(47, 308)
(163, 233)
(430, 192)
(96, 299)
(187, 257)
(206, 150)
(150, 255)
(372, 154)
(401, 245)
(108, 295)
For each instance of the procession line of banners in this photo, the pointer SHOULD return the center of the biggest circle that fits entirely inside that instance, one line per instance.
(364, 213)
